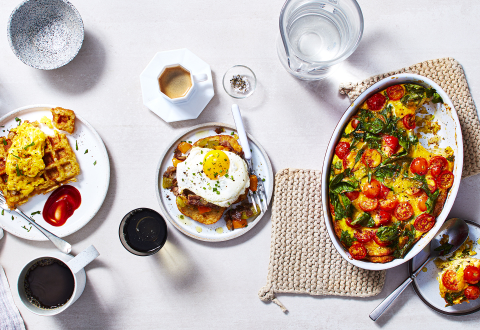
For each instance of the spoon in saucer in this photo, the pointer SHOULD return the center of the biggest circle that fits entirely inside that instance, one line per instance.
(456, 230)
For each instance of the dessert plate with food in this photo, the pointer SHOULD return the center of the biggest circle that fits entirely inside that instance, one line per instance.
(203, 183)
(392, 171)
(450, 284)
(54, 167)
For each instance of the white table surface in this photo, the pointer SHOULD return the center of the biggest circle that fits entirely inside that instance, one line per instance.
(191, 284)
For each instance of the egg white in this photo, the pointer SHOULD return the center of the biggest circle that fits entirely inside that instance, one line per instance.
(190, 176)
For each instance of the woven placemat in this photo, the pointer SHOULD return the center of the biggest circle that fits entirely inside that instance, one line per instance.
(302, 257)
(447, 73)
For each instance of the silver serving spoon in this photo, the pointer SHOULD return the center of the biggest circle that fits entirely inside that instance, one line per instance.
(457, 232)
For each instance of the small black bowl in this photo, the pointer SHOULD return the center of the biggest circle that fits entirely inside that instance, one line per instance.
(143, 232)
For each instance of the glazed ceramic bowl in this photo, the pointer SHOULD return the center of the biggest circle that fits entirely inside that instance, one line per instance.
(45, 34)
(450, 134)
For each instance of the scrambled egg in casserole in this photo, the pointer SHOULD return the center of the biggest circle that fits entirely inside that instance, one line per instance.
(25, 158)
(458, 281)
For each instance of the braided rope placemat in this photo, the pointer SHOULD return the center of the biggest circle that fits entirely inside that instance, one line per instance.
(447, 73)
(302, 257)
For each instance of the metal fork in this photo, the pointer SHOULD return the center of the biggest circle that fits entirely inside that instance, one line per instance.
(62, 245)
(259, 197)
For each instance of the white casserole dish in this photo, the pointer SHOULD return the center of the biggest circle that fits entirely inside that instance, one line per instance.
(450, 134)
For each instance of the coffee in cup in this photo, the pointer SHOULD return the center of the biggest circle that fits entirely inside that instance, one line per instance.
(175, 82)
(49, 283)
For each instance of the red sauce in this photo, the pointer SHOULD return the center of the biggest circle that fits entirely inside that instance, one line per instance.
(61, 204)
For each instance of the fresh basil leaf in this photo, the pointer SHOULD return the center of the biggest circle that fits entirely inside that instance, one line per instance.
(338, 165)
(432, 198)
(388, 233)
(342, 187)
(376, 126)
(359, 155)
(437, 98)
(347, 239)
(444, 249)
(362, 220)
(386, 171)
(371, 223)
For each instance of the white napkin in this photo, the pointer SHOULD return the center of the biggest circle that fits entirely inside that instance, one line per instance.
(10, 318)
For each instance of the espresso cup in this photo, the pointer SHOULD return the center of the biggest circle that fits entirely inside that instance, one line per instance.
(177, 84)
(74, 264)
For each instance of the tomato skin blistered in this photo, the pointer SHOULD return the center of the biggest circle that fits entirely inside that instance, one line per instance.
(403, 211)
(358, 251)
(424, 222)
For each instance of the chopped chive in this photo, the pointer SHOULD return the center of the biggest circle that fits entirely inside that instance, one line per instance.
(4, 142)
(233, 133)
(36, 212)
(263, 179)
(94, 163)
(3, 212)
(76, 145)
(26, 147)
(86, 152)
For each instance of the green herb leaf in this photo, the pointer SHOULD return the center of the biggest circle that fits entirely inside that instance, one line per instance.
(36, 212)
(18, 120)
(362, 220)
(4, 142)
(444, 249)
(86, 151)
(94, 163)
(347, 239)
(388, 233)
(29, 145)
(76, 145)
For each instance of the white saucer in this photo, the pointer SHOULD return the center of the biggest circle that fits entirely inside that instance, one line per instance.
(166, 110)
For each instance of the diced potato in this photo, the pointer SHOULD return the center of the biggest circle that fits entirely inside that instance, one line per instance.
(176, 161)
(184, 147)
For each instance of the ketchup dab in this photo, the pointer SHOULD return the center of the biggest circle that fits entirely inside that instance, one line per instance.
(61, 204)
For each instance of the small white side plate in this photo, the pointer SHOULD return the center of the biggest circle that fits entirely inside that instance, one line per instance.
(92, 182)
(197, 230)
(426, 285)
(165, 109)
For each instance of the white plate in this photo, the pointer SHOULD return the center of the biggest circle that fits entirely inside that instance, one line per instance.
(426, 285)
(450, 134)
(197, 230)
(165, 109)
(92, 182)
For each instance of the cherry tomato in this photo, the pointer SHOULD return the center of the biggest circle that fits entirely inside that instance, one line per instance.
(352, 195)
(342, 150)
(381, 218)
(419, 166)
(389, 203)
(472, 292)
(445, 180)
(383, 191)
(449, 280)
(376, 102)
(413, 191)
(364, 236)
(422, 202)
(372, 189)
(471, 274)
(437, 165)
(354, 123)
(432, 184)
(371, 158)
(409, 121)
(357, 251)
(380, 242)
(368, 204)
(395, 92)
(424, 222)
(403, 211)
(389, 145)
(348, 221)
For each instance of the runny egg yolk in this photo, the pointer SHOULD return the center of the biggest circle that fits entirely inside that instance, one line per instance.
(215, 164)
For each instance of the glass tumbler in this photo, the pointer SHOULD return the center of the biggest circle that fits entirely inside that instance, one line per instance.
(315, 35)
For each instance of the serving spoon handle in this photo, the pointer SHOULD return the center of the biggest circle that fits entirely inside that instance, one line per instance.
(377, 312)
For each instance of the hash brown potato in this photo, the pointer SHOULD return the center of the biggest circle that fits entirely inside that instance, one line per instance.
(63, 119)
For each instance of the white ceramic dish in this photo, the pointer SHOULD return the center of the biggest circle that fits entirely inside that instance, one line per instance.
(451, 135)
(426, 285)
(152, 97)
(197, 230)
(92, 182)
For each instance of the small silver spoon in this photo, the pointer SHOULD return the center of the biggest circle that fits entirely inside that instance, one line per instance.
(457, 232)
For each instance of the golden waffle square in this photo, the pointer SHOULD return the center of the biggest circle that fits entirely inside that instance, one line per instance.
(61, 167)
(63, 119)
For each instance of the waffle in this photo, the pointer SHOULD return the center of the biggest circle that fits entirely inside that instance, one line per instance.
(61, 167)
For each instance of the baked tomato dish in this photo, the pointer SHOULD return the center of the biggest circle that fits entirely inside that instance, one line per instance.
(385, 188)
(459, 280)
